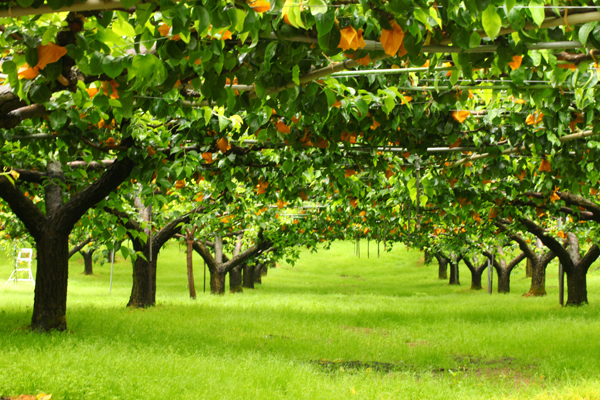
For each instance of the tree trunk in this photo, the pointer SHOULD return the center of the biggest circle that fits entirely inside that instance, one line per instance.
(190, 266)
(538, 279)
(442, 267)
(454, 272)
(257, 273)
(248, 276)
(50, 304)
(235, 280)
(217, 282)
(476, 279)
(577, 287)
(140, 291)
(529, 271)
(88, 261)
(503, 280)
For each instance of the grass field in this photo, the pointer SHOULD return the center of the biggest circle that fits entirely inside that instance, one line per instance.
(334, 326)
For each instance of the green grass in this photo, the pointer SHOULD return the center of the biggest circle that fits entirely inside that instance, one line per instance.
(437, 341)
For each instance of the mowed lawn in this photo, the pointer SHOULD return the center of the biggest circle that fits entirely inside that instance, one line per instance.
(332, 326)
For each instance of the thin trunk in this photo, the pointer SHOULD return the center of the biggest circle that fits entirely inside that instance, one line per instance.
(88, 262)
(190, 264)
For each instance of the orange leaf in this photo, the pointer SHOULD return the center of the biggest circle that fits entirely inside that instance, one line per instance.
(303, 196)
(260, 6)
(282, 127)
(392, 39)
(516, 62)
(351, 39)
(92, 91)
(48, 54)
(364, 61)
(493, 213)
(453, 182)
(349, 172)
(460, 116)
(27, 72)
(456, 144)
(554, 197)
(207, 157)
(389, 173)
(561, 234)
(164, 29)
(545, 166)
(337, 104)
(353, 203)
(151, 151)
(281, 203)
(322, 144)
(476, 216)
(223, 145)
(179, 184)
(521, 176)
(375, 124)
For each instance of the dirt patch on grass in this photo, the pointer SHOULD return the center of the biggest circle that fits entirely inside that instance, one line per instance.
(418, 343)
(353, 276)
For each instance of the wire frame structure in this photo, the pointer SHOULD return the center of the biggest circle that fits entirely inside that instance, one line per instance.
(25, 256)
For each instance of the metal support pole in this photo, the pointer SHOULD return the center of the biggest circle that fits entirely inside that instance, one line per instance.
(112, 264)
(489, 288)
(418, 218)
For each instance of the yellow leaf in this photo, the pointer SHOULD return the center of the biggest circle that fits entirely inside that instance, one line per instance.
(164, 29)
(351, 39)
(48, 54)
(260, 6)
(392, 39)
(207, 157)
(516, 62)
(179, 184)
(27, 72)
(460, 116)
(223, 145)
(282, 127)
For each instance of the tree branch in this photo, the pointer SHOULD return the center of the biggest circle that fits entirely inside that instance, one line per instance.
(549, 242)
(23, 207)
(79, 246)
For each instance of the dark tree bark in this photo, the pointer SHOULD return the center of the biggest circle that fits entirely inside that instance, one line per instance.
(504, 268)
(248, 276)
(219, 266)
(79, 246)
(442, 265)
(143, 291)
(258, 273)
(454, 278)
(529, 269)
(574, 265)
(537, 262)
(476, 272)
(189, 239)
(51, 233)
(235, 274)
(88, 261)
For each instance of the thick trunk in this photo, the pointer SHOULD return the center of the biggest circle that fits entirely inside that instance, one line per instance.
(538, 279)
(577, 287)
(529, 271)
(258, 273)
(50, 304)
(141, 296)
(476, 279)
(217, 282)
(248, 276)
(503, 280)
(88, 262)
(454, 273)
(264, 270)
(442, 267)
(235, 280)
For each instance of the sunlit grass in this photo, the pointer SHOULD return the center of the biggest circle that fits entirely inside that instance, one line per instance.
(294, 336)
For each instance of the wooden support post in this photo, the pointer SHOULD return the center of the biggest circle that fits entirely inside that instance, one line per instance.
(489, 288)
(561, 276)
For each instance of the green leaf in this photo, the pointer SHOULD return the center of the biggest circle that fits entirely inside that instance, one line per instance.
(49, 35)
(287, 166)
(58, 118)
(143, 65)
(317, 7)
(39, 94)
(474, 40)
(584, 32)
(296, 75)
(269, 54)
(123, 28)
(112, 66)
(537, 12)
(510, 4)
(325, 22)
(129, 3)
(31, 56)
(25, 3)
(491, 21)
(56, 4)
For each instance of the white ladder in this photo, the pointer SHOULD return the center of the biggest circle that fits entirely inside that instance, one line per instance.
(24, 256)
